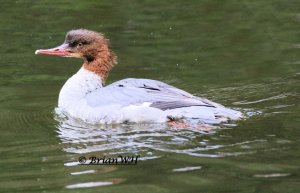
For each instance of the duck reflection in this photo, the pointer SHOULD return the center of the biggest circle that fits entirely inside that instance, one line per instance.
(147, 140)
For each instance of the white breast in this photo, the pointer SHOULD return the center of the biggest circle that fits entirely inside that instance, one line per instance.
(77, 87)
(75, 101)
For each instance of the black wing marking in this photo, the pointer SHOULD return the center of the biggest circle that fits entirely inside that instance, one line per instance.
(166, 105)
(149, 87)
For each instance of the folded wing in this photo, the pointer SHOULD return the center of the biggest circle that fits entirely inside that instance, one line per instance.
(144, 91)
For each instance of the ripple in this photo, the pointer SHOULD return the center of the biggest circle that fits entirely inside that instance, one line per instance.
(84, 172)
(260, 97)
(88, 185)
(95, 184)
(191, 168)
(272, 175)
(281, 96)
(25, 119)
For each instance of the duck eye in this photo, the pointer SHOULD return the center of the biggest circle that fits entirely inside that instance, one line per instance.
(72, 44)
(79, 44)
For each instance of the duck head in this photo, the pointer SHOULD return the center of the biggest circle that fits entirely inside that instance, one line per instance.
(89, 45)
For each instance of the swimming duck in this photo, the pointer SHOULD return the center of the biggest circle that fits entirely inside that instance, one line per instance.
(85, 97)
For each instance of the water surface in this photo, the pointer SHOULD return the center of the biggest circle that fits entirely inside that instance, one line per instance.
(243, 54)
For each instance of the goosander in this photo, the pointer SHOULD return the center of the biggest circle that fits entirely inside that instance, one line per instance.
(85, 97)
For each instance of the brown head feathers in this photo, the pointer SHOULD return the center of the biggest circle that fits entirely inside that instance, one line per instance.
(95, 50)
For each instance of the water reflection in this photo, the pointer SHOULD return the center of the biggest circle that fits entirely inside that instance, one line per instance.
(94, 184)
(151, 141)
(88, 185)
(80, 138)
(187, 169)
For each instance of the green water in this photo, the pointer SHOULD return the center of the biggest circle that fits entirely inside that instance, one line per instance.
(243, 54)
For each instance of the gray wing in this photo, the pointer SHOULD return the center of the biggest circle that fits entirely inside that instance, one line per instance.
(138, 91)
(165, 105)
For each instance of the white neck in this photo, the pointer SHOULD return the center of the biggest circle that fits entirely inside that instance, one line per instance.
(78, 86)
